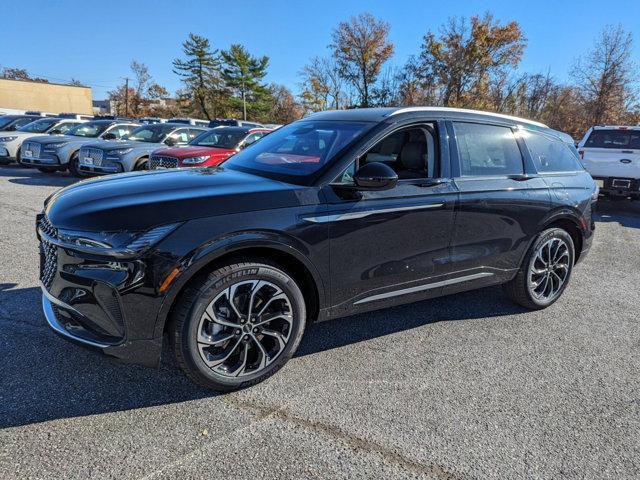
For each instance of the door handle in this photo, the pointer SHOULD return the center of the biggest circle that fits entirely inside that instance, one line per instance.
(433, 182)
(625, 160)
(627, 151)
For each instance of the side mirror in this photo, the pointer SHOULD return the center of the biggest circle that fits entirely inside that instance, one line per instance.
(109, 136)
(55, 131)
(171, 142)
(375, 176)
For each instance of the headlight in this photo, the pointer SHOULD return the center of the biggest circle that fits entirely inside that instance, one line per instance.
(121, 244)
(193, 160)
(55, 145)
(7, 139)
(119, 151)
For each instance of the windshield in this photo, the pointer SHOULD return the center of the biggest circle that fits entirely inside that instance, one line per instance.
(39, 126)
(88, 130)
(151, 133)
(221, 138)
(298, 150)
(5, 121)
(628, 139)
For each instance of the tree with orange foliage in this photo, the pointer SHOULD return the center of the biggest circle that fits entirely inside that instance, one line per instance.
(361, 46)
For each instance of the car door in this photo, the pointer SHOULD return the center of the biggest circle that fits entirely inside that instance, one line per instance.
(502, 203)
(391, 246)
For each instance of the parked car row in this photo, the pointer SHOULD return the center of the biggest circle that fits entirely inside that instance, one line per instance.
(118, 145)
(610, 153)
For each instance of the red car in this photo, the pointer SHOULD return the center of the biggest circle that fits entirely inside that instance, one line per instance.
(208, 149)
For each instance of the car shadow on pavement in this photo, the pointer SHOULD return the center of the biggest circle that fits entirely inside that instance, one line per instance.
(31, 176)
(624, 212)
(43, 377)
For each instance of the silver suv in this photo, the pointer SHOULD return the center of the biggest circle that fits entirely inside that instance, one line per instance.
(132, 152)
(58, 152)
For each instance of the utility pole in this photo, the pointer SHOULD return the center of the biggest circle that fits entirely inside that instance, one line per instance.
(126, 96)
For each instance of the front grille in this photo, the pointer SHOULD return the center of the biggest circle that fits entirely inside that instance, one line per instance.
(34, 148)
(49, 252)
(162, 162)
(93, 153)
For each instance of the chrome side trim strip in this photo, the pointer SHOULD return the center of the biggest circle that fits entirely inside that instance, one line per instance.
(47, 301)
(366, 213)
(420, 288)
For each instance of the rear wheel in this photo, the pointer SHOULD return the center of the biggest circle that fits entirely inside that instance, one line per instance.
(238, 326)
(545, 272)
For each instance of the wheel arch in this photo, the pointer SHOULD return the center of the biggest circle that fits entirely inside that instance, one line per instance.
(290, 259)
(570, 221)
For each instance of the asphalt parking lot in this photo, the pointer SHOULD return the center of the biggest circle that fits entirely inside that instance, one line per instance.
(466, 386)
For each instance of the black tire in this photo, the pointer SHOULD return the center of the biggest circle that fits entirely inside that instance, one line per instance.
(74, 165)
(19, 160)
(519, 289)
(143, 164)
(186, 324)
(48, 169)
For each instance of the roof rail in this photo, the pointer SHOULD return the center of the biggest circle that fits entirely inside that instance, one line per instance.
(465, 110)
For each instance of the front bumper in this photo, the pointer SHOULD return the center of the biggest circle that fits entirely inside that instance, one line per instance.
(51, 160)
(101, 170)
(8, 152)
(619, 186)
(103, 303)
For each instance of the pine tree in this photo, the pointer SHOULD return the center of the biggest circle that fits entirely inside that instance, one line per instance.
(243, 74)
(200, 73)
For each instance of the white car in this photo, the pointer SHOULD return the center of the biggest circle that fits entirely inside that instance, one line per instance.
(611, 154)
(49, 153)
(10, 142)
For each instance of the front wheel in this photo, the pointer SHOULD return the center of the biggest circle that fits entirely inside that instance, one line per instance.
(142, 165)
(238, 326)
(545, 271)
(74, 165)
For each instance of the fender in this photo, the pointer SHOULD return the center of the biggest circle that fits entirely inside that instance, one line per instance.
(561, 213)
(199, 258)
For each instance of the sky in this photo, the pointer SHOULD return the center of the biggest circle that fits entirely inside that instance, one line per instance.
(95, 41)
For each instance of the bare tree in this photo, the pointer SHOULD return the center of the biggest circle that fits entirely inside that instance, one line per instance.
(605, 77)
(321, 85)
(285, 109)
(361, 47)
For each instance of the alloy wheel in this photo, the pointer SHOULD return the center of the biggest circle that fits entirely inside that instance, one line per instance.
(549, 270)
(245, 328)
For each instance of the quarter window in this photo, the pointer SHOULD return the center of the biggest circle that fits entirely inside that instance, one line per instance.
(551, 155)
(487, 150)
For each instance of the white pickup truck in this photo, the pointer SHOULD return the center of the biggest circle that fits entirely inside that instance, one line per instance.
(611, 154)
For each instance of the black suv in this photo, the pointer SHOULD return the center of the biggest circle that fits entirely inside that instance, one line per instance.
(339, 213)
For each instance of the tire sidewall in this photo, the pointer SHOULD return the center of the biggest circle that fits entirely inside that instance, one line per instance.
(210, 290)
(74, 164)
(543, 238)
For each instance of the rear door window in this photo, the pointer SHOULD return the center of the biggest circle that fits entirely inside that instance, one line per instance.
(621, 139)
(487, 150)
(550, 154)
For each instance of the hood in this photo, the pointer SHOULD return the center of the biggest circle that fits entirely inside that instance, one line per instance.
(194, 151)
(118, 144)
(52, 138)
(142, 200)
(24, 135)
